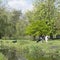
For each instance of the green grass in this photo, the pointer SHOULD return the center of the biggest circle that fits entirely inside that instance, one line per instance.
(2, 57)
(35, 51)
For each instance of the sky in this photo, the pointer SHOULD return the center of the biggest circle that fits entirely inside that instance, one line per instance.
(23, 5)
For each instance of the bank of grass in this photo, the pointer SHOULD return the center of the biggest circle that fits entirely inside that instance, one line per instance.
(35, 51)
(2, 57)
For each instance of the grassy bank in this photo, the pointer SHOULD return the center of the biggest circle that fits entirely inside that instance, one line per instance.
(2, 57)
(32, 50)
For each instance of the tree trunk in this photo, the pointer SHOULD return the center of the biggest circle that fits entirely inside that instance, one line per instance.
(34, 38)
(51, 36)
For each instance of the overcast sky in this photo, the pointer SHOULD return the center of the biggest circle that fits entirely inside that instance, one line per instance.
(20, 4)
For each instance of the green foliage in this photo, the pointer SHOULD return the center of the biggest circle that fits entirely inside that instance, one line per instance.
(12, 24)
(42, 18)
(38, 28)
(2, 57)
(34, 51)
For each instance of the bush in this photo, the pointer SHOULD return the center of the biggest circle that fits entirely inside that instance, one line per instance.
(36, 52)
(2, 57)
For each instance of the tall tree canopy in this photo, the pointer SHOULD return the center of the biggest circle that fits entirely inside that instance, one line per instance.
(42, 17)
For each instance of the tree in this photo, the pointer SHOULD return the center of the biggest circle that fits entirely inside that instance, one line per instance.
(44, 13)
(57, 22)
(3, 21)
(38, 28)
(14, 18)
(18, 24)
(11, 24)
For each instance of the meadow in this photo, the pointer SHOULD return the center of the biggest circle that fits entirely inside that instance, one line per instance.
(31, 50)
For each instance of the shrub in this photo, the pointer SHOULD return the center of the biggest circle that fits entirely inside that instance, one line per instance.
(2, 57)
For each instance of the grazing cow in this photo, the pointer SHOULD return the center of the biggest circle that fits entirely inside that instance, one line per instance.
(41, 38)
(46, 38)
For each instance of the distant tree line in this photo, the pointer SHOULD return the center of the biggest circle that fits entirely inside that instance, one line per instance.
(43, 20)
(12, 24)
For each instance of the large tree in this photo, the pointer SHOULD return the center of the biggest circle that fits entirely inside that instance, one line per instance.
(44, 11)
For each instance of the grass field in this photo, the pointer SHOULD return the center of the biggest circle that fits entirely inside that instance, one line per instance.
(33, 50)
